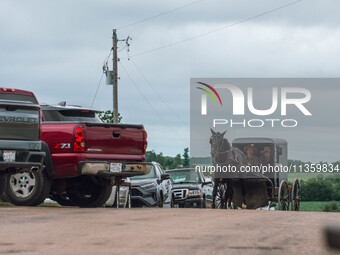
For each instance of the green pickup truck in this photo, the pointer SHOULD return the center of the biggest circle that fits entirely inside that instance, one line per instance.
(21, 148)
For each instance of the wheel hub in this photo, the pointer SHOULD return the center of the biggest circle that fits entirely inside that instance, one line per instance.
(22, 184)
(23, 181)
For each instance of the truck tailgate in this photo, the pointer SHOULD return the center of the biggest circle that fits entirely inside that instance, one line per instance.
(114, 138)
(19, 120)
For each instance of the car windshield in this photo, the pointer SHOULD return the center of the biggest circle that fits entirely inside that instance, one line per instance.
(184, 176)
(150, 175)
(17, 97)
(71, 115)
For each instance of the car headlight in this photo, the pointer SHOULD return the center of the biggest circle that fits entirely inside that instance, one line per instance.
(195, 192)
(148, 185)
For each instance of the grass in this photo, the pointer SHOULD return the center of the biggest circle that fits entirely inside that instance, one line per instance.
(314, 206)
(306, 176)
(41, 205)
(5, 204)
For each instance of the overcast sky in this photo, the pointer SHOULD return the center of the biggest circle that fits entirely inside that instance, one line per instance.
(56, 49)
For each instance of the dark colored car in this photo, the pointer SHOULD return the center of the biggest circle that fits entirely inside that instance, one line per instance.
(152, 189)
(188, 187)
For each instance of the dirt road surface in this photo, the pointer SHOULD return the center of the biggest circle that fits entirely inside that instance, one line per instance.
(68, 230)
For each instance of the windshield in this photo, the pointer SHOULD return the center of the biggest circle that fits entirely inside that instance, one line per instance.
(184, 176)
(17, 97)
(150, 175)
(71, 115)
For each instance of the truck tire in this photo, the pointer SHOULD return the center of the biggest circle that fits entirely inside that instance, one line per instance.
(27, 189)
(161, 201)
(3, 196)
(88, 192)
(2, 183)
(62, 200)
(172, 202)
(204, 203)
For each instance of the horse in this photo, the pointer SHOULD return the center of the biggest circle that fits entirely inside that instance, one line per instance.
(223, 154)
(244, 192)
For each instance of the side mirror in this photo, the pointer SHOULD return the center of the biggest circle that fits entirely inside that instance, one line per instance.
(165, 177)
(207, 183)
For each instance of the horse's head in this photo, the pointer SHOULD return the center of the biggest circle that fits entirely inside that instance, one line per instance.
(218, 143)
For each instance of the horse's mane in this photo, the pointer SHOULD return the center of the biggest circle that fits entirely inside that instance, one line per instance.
(226, 144)
(228, 151)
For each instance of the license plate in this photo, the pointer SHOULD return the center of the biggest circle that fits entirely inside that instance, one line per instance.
(115, 167)
(9, 156)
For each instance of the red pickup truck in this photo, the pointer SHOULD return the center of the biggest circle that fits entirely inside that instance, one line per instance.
(84, 156)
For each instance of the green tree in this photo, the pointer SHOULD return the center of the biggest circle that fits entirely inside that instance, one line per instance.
(177, 161)
(107, 116)
(150, 156)
(167, 162)
(186, 161)
(317, 189)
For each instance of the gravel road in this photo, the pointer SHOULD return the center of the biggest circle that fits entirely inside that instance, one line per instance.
(68, 230)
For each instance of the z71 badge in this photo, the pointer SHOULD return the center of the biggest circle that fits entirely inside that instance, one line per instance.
(63, 146)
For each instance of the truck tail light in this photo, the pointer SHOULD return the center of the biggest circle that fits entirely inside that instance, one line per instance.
(145, 141)
(79, 143)
(7, 90)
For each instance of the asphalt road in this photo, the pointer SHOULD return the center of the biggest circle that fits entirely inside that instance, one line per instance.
(68, 230)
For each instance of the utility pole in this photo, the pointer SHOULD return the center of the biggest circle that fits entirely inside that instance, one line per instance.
(112, 76)
(115, 76)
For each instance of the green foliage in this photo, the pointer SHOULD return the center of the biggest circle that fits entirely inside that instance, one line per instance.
(186, 160)
(165, 161)
(177, 163)
(314, 206)
(320, 189)
(169, 162)
(107, 116)
(331, 207)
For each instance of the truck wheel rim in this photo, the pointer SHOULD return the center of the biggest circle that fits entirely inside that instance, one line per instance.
(22, 184)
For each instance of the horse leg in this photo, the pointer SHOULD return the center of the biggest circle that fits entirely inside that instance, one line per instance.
(244, 204)
(229, 193)
(216, 182)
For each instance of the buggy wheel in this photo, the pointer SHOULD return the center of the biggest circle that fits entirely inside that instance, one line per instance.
(283, 196)
(221, 200)
(296, 196)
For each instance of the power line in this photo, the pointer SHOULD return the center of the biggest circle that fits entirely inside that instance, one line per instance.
(160, 14)
(159, 97)
(218, 29)
(100, 80)
(95, 95)
(152, 88)
(147, 101)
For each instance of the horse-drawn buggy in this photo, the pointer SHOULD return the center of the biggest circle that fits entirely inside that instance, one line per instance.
(252, 173)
